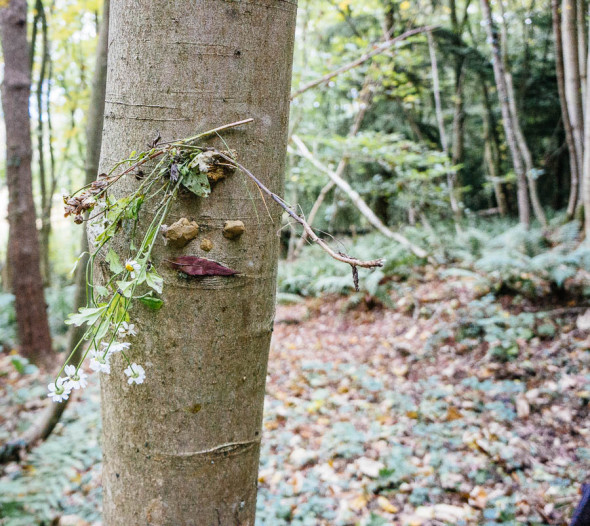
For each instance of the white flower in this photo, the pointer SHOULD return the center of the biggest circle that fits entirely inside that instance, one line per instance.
(132, 266)
(76, 379)
(127, 329)
(100, 363)
(135, 373)
(59, 390)
(116, 347)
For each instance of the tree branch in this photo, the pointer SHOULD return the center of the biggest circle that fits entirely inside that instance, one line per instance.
(339, 256)
(362, 59)
(356, 199)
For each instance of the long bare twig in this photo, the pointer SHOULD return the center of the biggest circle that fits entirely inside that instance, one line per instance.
(344, 258)
(356, 199)
(362, 59)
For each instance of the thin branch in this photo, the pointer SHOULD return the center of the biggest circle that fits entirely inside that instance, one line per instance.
(362, 59)
(357, 200)
(339, 256)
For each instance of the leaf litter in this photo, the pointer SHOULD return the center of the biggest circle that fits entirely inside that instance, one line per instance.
(407, 416)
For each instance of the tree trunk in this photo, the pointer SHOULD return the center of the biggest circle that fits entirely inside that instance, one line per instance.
(582, 49)
(44, 184)
(575, 168)
(184, 447)
(522, 192)
(571, 64)
(23, 245)
(457, 134)
(521, 142)
(44, 427)
(491, 155)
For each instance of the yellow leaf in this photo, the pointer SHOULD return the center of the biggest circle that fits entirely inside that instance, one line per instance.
(404, 6)
(387, 506)
(453, 414)
(358, 503)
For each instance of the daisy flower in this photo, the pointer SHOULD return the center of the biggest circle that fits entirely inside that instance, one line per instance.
(127, 329)
(115, 347)
(59, 390)
(136, 374)
(76, 380)
(133, 267)
(100, 363)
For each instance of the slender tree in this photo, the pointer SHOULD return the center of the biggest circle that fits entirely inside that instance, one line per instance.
(499, 75)
(575, 168)
(571, 64)
(184, 447)
(521, 142)
(23, 245)
(51, 416)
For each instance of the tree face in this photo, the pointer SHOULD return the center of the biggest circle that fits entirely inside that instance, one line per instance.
(177, 69)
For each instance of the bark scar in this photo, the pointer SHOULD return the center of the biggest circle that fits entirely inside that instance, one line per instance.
(230, 449)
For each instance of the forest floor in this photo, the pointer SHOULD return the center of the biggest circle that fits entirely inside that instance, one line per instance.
(374, 416)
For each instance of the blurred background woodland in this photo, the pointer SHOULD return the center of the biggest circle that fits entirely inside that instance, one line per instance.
(450, 137)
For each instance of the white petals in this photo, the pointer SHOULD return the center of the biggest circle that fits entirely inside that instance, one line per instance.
(76, 379)
(100, 363)
(132, 266)
(59, 390)
(118, 347)
(136, 374)
(127, 329)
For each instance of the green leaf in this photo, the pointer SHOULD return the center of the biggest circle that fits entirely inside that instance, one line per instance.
(195, 181)
(86, 315)
(19, 363)
(125, 288)
(152, 303)
(154, 281)
(114, 262)
(101, 291)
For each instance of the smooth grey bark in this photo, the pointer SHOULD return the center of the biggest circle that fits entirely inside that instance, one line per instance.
(521, 141)
(499, 75)
(575, 169)
(582, 48)
(571, 64)
(183, 447)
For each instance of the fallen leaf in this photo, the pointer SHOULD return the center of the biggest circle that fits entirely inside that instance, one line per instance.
(387, 506)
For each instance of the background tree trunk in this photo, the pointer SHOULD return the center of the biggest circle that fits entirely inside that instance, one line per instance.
(575, 169)
(571, 63)
(441, 125)
(46, 423)
(523, 147)
(183, 448)
(491, 150)
(23, 245)
(523, 200)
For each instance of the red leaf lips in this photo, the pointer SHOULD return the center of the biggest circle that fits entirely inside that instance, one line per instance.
(195, 266)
